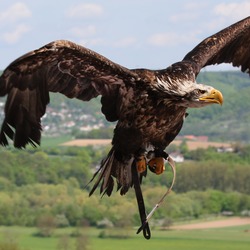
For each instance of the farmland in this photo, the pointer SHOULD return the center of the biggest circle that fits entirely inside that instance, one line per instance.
(51, 181)
(225, 238)
(192, 145)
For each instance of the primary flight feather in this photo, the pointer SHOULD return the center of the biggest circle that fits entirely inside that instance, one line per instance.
(148, 105)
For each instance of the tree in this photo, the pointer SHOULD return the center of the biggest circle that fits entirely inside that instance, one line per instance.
(64, 243)
(82, 242)
(46, 225)
(9, 242)
(184, 147)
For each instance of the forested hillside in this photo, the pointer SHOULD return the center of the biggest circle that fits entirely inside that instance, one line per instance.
(227, 123)
(50, 182)
(36, 183)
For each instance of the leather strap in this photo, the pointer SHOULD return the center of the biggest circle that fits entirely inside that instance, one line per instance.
(140, 203)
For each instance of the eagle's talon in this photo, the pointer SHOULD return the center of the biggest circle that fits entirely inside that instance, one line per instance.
(156, 165)
(141, 164)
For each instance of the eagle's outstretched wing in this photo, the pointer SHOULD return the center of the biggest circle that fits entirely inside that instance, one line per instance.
(230, 45)
(60, 66)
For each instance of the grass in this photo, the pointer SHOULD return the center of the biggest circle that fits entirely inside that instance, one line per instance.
(230, 238)
(54, 141)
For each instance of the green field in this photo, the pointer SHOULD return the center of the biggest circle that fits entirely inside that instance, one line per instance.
(54, 141)
(235, 238)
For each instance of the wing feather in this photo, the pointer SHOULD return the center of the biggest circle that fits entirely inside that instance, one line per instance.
(230, 45)
(60, 66)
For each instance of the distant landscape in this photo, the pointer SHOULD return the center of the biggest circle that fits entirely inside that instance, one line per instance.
(228, 123)
(44, 192)
(45, 202)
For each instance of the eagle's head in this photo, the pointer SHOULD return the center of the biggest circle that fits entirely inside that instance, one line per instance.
(188, 93)
(178, 84)
(201, 95)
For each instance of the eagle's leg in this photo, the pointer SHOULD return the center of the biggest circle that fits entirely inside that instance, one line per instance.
(157, 163)
(140, 201)
(141, 164)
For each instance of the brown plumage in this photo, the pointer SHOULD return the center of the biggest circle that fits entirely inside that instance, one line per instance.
(148, 105)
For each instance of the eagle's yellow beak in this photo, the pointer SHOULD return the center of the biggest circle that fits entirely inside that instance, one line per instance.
(215, 96)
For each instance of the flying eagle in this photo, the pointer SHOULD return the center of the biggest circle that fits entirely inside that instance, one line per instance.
(149, 105)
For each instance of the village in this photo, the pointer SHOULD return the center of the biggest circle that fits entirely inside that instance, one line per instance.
(62, 120)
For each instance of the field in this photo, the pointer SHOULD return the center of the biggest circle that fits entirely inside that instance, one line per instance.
(221, 223)
(226, 238)
(192, 145)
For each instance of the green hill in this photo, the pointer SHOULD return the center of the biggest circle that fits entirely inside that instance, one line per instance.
(227, 123)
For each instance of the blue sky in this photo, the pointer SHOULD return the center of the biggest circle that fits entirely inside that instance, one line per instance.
(134, 33)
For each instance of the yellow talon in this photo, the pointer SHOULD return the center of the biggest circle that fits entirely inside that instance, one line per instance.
(141, 164)
(157, 165)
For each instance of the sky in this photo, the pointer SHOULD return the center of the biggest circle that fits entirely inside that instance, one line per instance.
(134, 33)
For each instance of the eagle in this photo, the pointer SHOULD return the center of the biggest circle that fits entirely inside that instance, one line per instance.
(149, 106)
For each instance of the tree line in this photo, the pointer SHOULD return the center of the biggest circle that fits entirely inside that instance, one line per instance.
(203, 168)
(69, 205)
(52, 182)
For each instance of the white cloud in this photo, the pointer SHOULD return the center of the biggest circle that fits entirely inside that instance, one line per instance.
(16, 34)
(15, 13)
(92, 42)
(87, 31)
(233, 10)
(188, 12)
(195, 6)
(163, 39)
(85, 10)
(183, 17)
(125, 42)
(172, 39)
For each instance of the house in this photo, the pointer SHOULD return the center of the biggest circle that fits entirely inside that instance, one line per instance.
(177, 157)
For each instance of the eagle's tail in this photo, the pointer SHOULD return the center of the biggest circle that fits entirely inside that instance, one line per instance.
(111, 168)
(125, 172)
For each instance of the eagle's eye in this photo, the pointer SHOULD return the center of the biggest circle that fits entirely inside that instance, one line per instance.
(198, 92)
(202, 91)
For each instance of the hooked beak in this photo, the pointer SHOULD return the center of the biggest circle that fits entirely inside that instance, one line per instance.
(215, 96)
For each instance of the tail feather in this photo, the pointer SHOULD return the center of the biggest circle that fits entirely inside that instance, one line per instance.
(111, 168)
(124, 176)
(107, 179)
(101, 171)
(109, 188)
